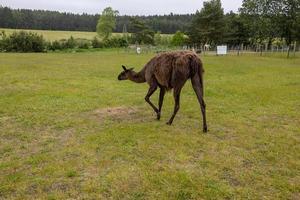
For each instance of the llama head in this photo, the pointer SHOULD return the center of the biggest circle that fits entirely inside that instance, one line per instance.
(124, 75)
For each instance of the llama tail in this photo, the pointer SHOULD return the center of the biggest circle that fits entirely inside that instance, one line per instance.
(197, 69)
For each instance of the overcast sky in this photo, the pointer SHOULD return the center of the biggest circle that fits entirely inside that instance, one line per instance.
(129, 7)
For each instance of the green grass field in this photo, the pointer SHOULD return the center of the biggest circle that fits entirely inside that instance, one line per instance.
(70, 130)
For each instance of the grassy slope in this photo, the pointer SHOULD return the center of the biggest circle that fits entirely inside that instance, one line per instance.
(57, 143)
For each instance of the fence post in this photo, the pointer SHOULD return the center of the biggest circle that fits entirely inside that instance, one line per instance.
(288, 51)
(266, 47)
(295, 46)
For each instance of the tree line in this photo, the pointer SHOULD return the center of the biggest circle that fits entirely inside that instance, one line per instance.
(259, 23)
(53, 20)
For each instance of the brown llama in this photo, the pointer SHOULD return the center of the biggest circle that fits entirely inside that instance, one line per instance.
(170, 71)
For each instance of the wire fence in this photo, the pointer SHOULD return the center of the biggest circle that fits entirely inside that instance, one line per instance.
(278, 51)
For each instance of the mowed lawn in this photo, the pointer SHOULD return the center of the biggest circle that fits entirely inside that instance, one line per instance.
(70, 130)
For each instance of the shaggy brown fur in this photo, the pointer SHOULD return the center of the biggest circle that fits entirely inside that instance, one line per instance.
(170, 71)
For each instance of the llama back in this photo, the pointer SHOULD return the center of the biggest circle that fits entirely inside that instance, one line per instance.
(161, 68)
(172, 67)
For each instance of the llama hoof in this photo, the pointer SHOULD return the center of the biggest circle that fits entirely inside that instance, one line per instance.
(169, 123)
(205, 130)
(158, 116)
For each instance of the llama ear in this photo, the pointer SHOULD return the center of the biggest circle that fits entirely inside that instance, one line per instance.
(131, 69)
(124, 67)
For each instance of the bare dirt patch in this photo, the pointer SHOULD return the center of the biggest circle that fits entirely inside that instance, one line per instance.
(115, 111)
(119, 114)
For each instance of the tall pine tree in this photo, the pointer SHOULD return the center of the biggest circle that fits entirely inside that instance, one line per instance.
(208, 24)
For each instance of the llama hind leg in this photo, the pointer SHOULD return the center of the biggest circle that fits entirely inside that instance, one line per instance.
(199, 92)
(161, 100)
(177, 105)
(151, 90)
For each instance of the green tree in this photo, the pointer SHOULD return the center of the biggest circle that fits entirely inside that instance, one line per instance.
(140, 32)
(158, 38)
(288, 14)
(258, 21)
(236, 32)
(179, 39)
(208, 24)
(6, 17)
(107, 22)
(53, 20)
(273, 18)
(298, 29)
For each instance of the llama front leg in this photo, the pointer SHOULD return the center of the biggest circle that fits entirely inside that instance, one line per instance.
(161, 100)
(151, 90)
(177, 105)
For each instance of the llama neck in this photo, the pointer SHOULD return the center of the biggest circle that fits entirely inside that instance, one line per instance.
(138, 77)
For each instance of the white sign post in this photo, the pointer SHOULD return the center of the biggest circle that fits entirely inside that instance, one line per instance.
(222, 50)
(138, 50)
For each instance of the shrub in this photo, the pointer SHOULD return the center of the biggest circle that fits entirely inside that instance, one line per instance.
(83, 43)
(23, 42)
(162, 40)
(2, 40)
(55, 45)
(157, 38)
(179, 39)
(97, 43)
(143, 37)
(70, 43)
(115, 42)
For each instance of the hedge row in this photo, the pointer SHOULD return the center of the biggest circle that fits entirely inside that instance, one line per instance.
(22, 42)
(31, 42)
